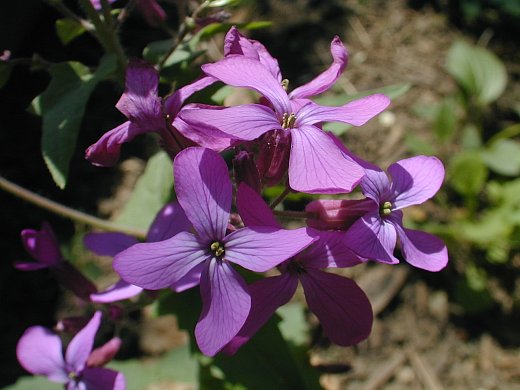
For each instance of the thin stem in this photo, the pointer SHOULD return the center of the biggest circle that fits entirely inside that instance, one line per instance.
(125, 12)
(280, 197)
(65, 11)
(65, 211)
(294, 214)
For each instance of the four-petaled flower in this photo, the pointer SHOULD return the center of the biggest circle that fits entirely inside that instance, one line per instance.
(204, 191)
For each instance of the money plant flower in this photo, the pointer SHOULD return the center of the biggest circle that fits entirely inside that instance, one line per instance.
(315, 165)
(39, 351)
(169, 221)
(341, 306)
(204, 191)
(373, 236)
(147, 113)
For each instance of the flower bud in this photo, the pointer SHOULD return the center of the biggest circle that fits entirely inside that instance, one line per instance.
(273, 158)
(42, 245)
(72, 279)
(337, 214)
(102, 355)
(246, 171)
(152, 12)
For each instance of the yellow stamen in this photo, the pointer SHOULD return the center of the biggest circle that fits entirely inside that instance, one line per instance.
(386, 209)
(285, 84)
(217, 248)
(288, 121)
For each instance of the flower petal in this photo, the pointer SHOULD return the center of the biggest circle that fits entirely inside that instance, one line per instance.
(105, 152)
(203, 134)
(204, 190)
(42, 245)
(157, 265)
(174, 102)
(140, 102)
(373, 238)
(108, 243)
(341, 306)
(117, 292)
(97, 378)
(416, 179)
(267, 295)
(423, 250)
(225, 306)
(191, 279)
(244, 122)
(169, 221)
(240, 71)
(253, 249)
(355, 113)
(329, 251)
(81, 345)
(252, 208)
(325, 80)
(317, 165)
(39, 352)
(26, 266)
(376, 186)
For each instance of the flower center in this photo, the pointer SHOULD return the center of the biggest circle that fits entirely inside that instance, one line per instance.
(288, 121)
(285, 84)
(217, 248)
(73, 375)
(385, 209)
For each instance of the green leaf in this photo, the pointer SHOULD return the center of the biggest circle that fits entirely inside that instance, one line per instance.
(152, 191)
(445, 122)
(5, 72)
(467, 173)
(34, 382)
(155, 51)
(478, 71)
(215, 28)
(471, 139)
(294, 326)
(68, 29)
(503, 157)
(508, 132)
(417, 145)
(62, 106)
(472, 292)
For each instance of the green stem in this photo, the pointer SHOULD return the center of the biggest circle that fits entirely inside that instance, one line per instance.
(65, 211)
(65, 11)
(280, 198)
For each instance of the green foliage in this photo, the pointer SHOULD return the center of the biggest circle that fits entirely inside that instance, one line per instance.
(5, 72)
(62, 106)
(478, 71)
(151, 192)
(467, 173)
(68, 29)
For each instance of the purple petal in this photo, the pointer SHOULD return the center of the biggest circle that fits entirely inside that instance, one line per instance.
(253, 249)
(152, 12)
(191, 279)
(117, 292)
(341, 306)
(317, 165)
(423, 250)
(236, 43)
(225, 306)
(329, 251)
(169, 221)
(157, 265)
(348, 154)
(373, 238)
(105, 152)
(96, 378)
(140, 102)
(39, 352)
(252, 208)
(108, 244)
(245, 122)
(81, 345)
(376, 186)
(239, 71)
(102, 355)
(325, 80)
(174, 102)
(355, 113)
(42, 245)
(23, 266)
(416, 179)
(267, 295)
(204, 190)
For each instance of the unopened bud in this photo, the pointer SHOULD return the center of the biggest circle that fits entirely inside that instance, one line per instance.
(152, 12)
(71, 278)
(273, 158)
(102, 355)
(337, 214)
(42, 245)
(246, 171)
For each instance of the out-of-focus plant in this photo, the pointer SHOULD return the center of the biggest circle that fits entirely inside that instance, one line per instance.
(482, 153)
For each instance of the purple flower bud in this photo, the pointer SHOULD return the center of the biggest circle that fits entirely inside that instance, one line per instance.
(72, 279)
(152, 12)
(42, 246)
(336, 214)
(246, 171)
(102, 355)
(273, 158)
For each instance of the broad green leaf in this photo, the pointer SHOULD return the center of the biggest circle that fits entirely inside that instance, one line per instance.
(471, 139)
(508, 132)
(152, 191)
(503, 157)
(478, 71)
(467, 173)
(62, 106)
(155, 51)
(34, 382)
(294, 326)
(5, 72)
(445, 122)
(68, 29)
(417, 145)
(492, 226)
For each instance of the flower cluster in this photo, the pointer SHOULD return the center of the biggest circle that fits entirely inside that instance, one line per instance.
(204, 236)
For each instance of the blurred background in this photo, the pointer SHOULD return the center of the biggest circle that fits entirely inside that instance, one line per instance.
(452, 69)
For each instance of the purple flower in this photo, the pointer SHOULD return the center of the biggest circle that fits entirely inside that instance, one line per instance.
(39, 351)
(204, 191)
(169, 221)
(146, 113)
(316, 165)
(374, 236)
(341, 306)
